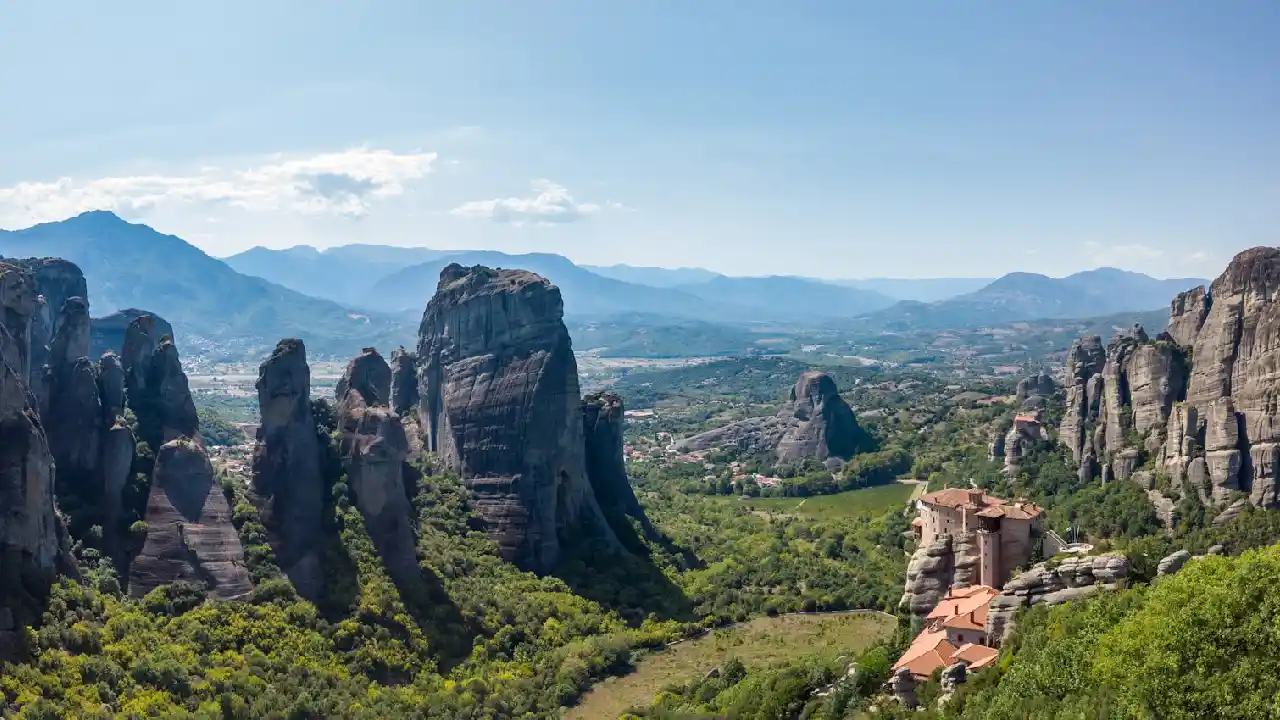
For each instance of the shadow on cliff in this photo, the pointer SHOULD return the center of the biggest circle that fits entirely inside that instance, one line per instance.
(627, 581)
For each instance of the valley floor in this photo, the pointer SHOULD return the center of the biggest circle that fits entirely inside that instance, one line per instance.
(762, 641)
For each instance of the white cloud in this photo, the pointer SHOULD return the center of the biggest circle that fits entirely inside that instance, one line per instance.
(550, 204)
(1122, 255)
(342, 183)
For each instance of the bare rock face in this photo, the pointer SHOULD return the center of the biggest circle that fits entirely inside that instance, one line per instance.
(1085, 361)
(32, 542)
(499, 402)
(404, 381)
(902, 686)
(1032, 391)
(602, 420)
(369, 375)
(108, 333)
(1187, 314)
(929, 573)
(373, 449)
(189, 532)
(1171, 564)
(56, 281)
(111, 385)
(286, 465)
(824, 425)
(118, 446)
(1072, 579)
(815, 422)
(71, 402)
(156, 386)
(1156, 376)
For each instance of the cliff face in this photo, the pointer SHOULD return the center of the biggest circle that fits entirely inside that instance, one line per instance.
(56, 281)
(1201, 399)
(107, 333)
(189, 532)
(499, 401)
(286, 465)
(602, 427)
(31, 547)
(815, 422)
(404, 381)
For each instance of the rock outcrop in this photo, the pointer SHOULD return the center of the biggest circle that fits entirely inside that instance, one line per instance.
(948, 560)
(71, 405)
(1202, 397)
(56, 281)
(108, 333)
(373, 449)
(902, 686)
(1072, 579)
(32, 542)
(602, 420)
(1034, 392)
(951, 678)
(156, 386)
(1172, 563)
(286, 465)
(404, 381)
(189, 532)
(815, 422)
(499, 402)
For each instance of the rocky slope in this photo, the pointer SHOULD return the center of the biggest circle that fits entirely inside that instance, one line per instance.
(1071, 579)
(1195, 409)
(815, 422)
(499, 401)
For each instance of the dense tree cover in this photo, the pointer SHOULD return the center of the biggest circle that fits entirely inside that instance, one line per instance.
(215, 430)
(1198, 644)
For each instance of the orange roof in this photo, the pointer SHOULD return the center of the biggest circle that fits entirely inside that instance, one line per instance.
(975, 656)
(918, 521)
(963, 608)
(928, 652)
(1025, 418)
(992, 505)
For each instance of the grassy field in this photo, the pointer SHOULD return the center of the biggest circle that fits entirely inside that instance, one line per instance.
(758, 642)
(872, 501)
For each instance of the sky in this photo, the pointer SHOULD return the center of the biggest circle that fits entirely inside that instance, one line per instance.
(828, 139)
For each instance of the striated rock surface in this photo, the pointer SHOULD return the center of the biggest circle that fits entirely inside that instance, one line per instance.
(156, 386)
(1072, 579)
(404, 381)
(56, 281)
(815, 422)
(602, 427)
(929, 573)
(1203, 395)
(499, 401)
(71, 405)
(286, 465)
(108, 333)
(1085, 361)
(189, 531)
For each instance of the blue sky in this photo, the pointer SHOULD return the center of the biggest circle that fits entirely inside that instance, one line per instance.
(836, 139)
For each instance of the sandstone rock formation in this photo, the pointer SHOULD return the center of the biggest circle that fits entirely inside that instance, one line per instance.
(1072, 579)
(373, 449)
(499, 402)
(404, 381)
(952, 677)
(286, 465)
(156, 386)
(602, 420)
(902, 686)
(1033, 392)
(108, 333)
(56, 281)
(32, 543)
(71, 405)
(189, 532)
(815, 422)
(948, 560)
(1172, 563)
(1201, 398)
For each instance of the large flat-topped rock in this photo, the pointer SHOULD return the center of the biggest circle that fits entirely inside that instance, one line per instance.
(499, 402)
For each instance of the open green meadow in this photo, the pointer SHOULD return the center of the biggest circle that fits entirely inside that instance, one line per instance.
(762, 641)
(870, 502)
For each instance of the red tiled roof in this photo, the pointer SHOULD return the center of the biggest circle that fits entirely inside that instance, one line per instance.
(992, 505)
(974, 656)
(963, 608)
(928, 652)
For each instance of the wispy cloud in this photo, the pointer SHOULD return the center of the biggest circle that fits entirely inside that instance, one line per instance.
(1122, 255)
(550, 203)
(342, 183)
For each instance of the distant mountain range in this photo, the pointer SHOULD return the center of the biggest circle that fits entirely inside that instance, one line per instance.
(342, 298)
(210, 305)
(1025, 296)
